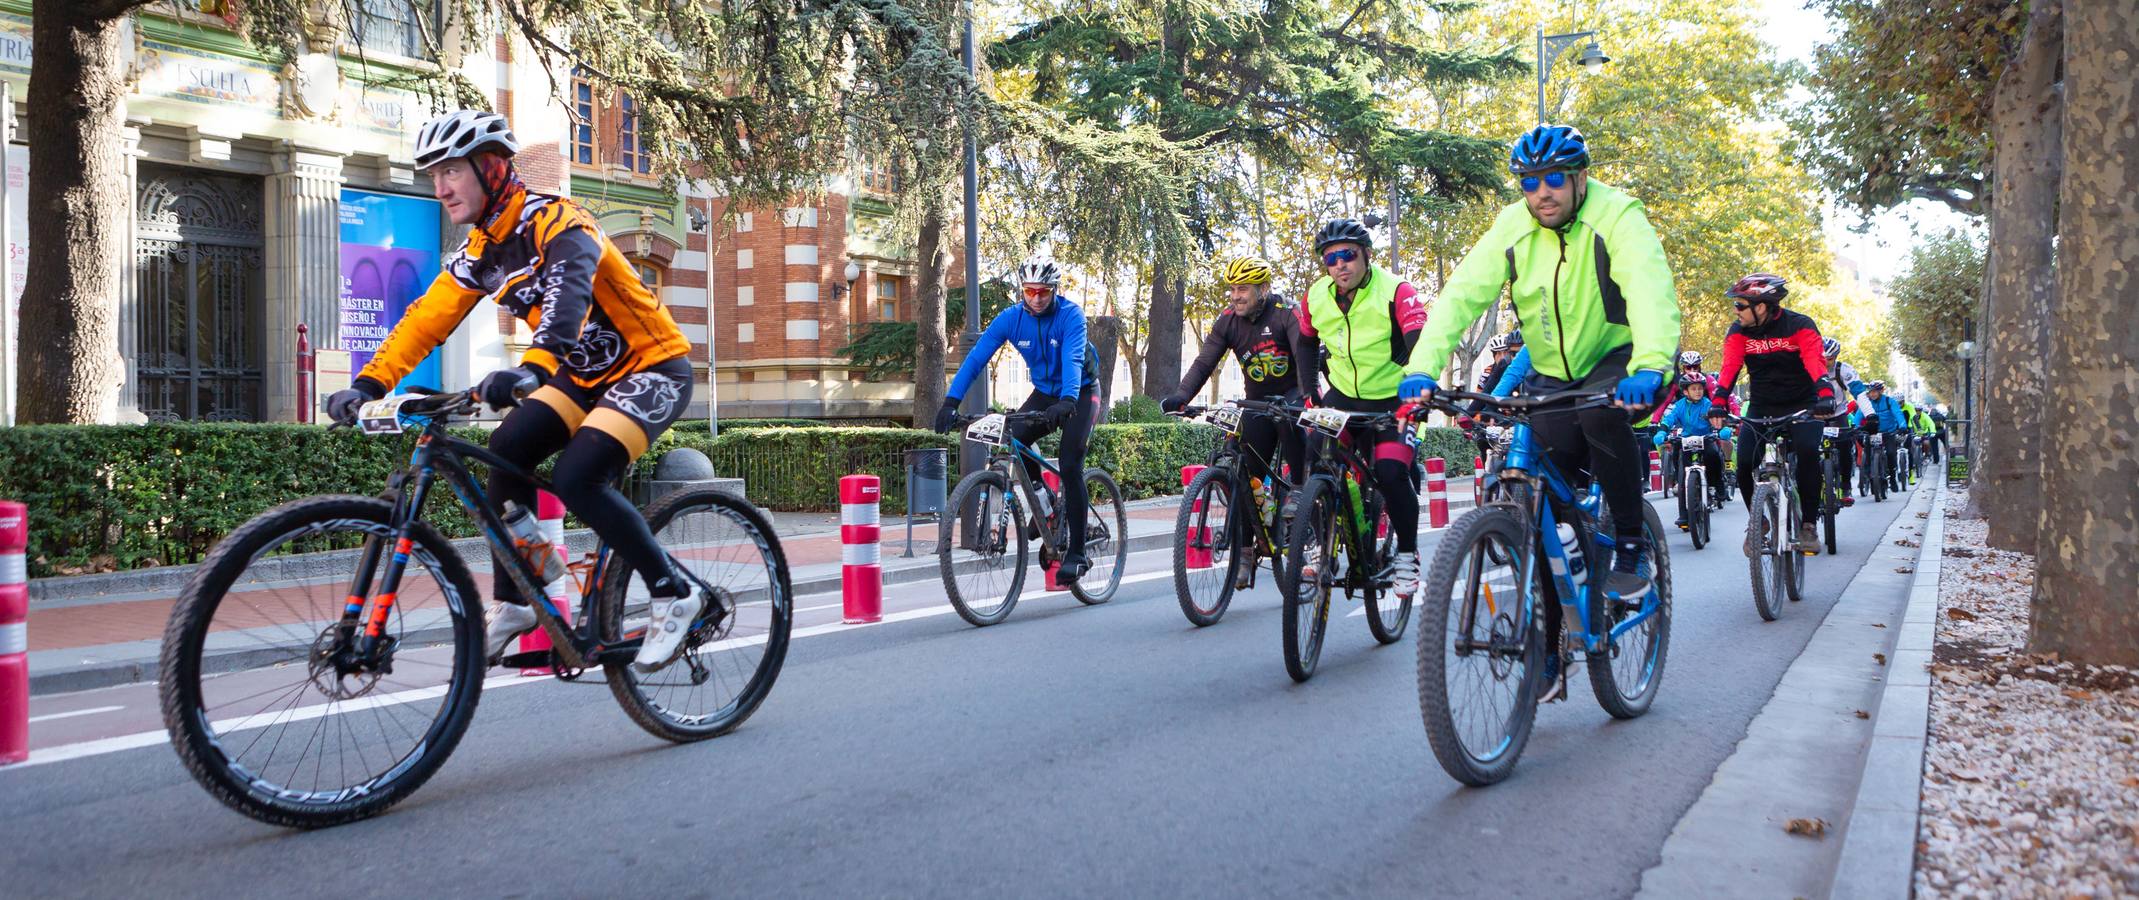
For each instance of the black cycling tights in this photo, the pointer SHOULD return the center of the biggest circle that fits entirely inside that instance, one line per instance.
(1805, 444)
(584, 479)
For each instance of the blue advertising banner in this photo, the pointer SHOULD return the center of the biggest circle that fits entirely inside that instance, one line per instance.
(390, 255)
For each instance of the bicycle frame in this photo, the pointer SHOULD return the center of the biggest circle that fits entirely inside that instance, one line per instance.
(1003, 458)
(439, 454)
(1528, 463)
(1336, 455)
(1230, 452)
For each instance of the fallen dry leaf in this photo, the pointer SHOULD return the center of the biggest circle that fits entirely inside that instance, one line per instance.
(1904, 569)
(1881, 657)
(1861, 714)
(1955, 612)
(1807, 827)
(1878, 624)
(2080, 695)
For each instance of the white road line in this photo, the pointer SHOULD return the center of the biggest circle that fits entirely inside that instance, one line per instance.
(47, 717)
(122, 743)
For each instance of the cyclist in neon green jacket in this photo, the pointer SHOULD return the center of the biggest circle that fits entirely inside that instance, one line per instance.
(1599, 311)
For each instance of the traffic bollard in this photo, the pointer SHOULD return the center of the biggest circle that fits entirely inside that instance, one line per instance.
(1478, 481)
(1436, 492)
(1656, 471)
(861, 573)
(1198, 554)
(549, 515)
(14, 633)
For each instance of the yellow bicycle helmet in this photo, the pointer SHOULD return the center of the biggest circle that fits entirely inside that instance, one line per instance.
(1245, 270)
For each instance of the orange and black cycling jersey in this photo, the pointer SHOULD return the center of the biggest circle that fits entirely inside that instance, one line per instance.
(543, 259)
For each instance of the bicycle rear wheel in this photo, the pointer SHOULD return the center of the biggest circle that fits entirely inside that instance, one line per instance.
(1310, 554)
(1625, 678)
(1481, 653)
(1388, 614)
(739, 641)
(1702, 509)
(262, 710)
(1106, 539)
(1693, 505)
(1763, 533)
(1832, 505)
(981, 548)
(1203, 552)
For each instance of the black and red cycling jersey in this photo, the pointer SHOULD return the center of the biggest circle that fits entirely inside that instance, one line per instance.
(1783, 359)
(1264, 345)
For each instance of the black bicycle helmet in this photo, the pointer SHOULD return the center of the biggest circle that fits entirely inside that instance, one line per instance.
(1761, 287)
(1343, 231)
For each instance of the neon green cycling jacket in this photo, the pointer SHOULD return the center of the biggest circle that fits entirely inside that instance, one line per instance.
(1595, 284)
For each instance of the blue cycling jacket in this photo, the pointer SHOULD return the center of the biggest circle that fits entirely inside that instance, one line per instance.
(1052, 343)
(1888, 410)
(1687, 416)
(1519, 368)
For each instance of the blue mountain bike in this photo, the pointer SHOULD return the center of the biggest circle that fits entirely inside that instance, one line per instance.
(1511, 598)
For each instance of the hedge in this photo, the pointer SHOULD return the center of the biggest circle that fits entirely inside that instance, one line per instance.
(798, 469)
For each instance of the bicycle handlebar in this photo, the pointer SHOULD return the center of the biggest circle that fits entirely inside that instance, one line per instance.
(1518, 407)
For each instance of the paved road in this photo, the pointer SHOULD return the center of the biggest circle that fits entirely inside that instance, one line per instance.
(1113, 750)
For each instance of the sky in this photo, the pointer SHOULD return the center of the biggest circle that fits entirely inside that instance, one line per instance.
(1882, 250)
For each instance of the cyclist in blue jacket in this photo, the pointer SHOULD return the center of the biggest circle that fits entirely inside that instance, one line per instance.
(1049, 332)
(1688, 415)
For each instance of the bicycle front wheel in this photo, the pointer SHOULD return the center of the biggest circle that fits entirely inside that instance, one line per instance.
(981, 548)
(1311, 555)
(1766, 543)
(1388, 613)
(1106, 539)
(266, 700)
(1481, 655)
(738, 642)
(1203, 552)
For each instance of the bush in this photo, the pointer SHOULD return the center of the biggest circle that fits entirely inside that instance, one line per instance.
(127, 496)
(1448, 444)
(798, 469)
(1136, 409)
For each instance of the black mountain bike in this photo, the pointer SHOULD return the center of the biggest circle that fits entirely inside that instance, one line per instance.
(1227, 523)
(982, 546)
(1873, 471)
(327, 656)
(1698, 495)
(1771, 530)
(1338, 522)
(1830, 484)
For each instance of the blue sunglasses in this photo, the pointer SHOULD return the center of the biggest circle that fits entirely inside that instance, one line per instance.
(1554, 180)
(1337, 256)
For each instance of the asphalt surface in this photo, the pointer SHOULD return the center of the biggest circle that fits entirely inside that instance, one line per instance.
(1070, 751)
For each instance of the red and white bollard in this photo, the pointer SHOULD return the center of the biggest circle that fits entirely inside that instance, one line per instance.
(1198, 555)
(1477, 480)
(861, 575)
(549, 515)
(1436, 492)
(1054, 483)
(1656, 471)
(14, 633)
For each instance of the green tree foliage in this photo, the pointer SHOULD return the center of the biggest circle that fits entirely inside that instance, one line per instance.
(885, 350)
(1932, 301)
(1900, 101)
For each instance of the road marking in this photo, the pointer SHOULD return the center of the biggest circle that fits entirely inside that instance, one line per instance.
(121, 743)
(47, 717)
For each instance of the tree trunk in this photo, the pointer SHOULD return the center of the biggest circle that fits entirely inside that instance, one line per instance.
(2089, 557)
(1104, 337)
(2021, 274)
(1162, 347)
(929, 329)
(69, 367)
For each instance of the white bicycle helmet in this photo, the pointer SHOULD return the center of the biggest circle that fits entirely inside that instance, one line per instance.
(1690, 358)
(1040, 270)
(1496, 343)
(458, 134)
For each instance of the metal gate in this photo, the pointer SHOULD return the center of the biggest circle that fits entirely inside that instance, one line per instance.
(202, 302)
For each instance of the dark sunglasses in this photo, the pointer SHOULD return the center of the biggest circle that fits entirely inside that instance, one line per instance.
(1337, 256)
(1038, 292)
(1741, 305)
(1554, 180)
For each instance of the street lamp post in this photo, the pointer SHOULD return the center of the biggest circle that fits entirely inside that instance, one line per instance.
(972, 456)
(1967, 353)
(1549, 48)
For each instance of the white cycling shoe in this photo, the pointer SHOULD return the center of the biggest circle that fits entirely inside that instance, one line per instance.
(1407, 575)
(507, 621)
(672, 617)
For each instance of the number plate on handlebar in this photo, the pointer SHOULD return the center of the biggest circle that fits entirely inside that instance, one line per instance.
(383, 416)
(1693, 442)
(988, 430)
(1875, 439)
(1326, 420)
(1226, 417)
(1832, 431)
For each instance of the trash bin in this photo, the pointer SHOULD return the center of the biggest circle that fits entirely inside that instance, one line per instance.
(927, 486)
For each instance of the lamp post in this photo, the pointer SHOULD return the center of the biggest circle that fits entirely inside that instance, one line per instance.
(1967, 352)
(972, 456)
(1549, 48)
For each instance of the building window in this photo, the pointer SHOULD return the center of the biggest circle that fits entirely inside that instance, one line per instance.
(402, 27)
(630, 151)
(879, 177)
(887, 299)
(582, 122)
(649, 275)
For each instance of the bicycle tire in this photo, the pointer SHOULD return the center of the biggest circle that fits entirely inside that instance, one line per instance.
(1761, 524)
(1605, 675)
(977, 486)
(1388, 613)
(1696, 508)
(642, 701)
(1466, 547)
(1112, 549)
(1191, 584)
(180, 669)
(1314, 529)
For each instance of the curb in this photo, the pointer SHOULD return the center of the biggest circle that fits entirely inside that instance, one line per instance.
(132, 669)
(1879, 840)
